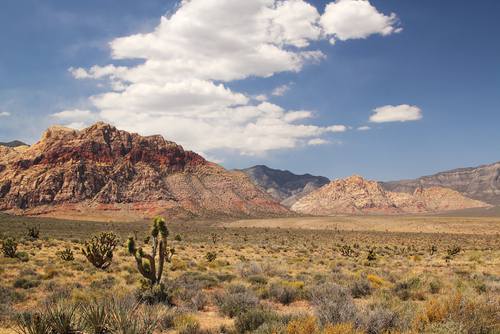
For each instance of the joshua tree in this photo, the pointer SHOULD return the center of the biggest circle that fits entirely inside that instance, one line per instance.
(159, 233)
(9, 247)
(99, 249)
(33, 232)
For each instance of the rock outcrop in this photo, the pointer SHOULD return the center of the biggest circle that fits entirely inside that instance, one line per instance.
(359, 196)
(109, 172)
(284, 186)
(481, 183)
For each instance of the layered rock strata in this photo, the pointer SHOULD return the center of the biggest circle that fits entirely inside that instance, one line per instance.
(103, 170)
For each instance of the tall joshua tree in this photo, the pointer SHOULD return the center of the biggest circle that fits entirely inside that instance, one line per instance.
(159, 233)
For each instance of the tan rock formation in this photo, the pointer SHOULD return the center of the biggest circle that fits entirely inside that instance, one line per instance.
(357, 195)
(104, 171)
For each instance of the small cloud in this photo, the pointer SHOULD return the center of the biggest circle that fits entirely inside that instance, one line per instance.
(336, 128)
(401, 113)
(280, 91)
(362, 128)
(317, 141)
(74, 114)
(5, 114)
(261, 97)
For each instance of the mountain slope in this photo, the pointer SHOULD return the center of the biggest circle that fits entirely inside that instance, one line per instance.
(284, 186)
(357, 195)
(14, 143)
(102, 171)
(481, 183)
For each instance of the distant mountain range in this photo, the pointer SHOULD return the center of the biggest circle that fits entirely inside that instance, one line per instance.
(481, 183)
(14, 143)
(284, 186)
(359, 196)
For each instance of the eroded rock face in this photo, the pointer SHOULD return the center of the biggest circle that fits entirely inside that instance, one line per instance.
(357, 195)
(480, 183)
(103, 169)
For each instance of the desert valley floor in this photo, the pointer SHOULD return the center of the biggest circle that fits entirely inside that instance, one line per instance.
(426, 274)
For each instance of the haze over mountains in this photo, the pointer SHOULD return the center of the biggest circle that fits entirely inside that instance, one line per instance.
(285, 187)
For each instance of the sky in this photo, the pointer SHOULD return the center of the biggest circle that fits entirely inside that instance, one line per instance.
(386, 89)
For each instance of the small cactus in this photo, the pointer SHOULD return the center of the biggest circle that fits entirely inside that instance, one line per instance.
(67, 255)
(33, 232)
(211, 256)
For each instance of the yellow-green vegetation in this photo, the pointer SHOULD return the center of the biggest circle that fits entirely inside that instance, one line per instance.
(256, 280)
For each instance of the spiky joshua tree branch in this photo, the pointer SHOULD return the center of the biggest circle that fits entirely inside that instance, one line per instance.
(148, 269)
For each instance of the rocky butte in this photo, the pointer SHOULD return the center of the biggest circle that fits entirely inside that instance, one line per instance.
(359, 196)
(109, 173)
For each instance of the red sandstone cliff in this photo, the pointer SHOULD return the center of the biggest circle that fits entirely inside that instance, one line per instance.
(102, 171)
(357, 195)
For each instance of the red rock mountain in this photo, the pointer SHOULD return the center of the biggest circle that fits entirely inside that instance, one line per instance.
(104, 172)
(357, 195)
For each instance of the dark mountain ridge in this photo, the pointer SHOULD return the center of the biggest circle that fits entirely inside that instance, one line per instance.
(284, 186)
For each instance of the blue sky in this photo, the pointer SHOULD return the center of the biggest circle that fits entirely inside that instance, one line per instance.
(386, 89)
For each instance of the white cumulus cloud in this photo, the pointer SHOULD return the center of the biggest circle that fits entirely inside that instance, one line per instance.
(363, 128)
(352, 19)
(5, 114)
(401, 113)
(179, 90)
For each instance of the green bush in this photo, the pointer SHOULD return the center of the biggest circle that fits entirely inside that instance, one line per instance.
(99, 249)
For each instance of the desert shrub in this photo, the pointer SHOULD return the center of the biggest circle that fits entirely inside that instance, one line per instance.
(199, 301)
(50, 274)
(103, 284)
(285, 294)
(22, 256)
(359, 286)
(375, 281)
(206, 280)
(381, 320)
(25, 283)
(186, 324)
(249, 321)
(248, 269)
(435, 286)
(475, 313)
(235, 299)
(405, 289)
(225, 277)
(177, 264)
(33, 231)
(343, 328)
(151, 294)
(307, 324)
(272, 267)
(258, 279)
(334, 304)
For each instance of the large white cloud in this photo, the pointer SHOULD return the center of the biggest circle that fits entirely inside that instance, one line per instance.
(178, 90)
(401, 113)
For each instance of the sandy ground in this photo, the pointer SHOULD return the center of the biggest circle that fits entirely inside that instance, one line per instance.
(425, 224)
